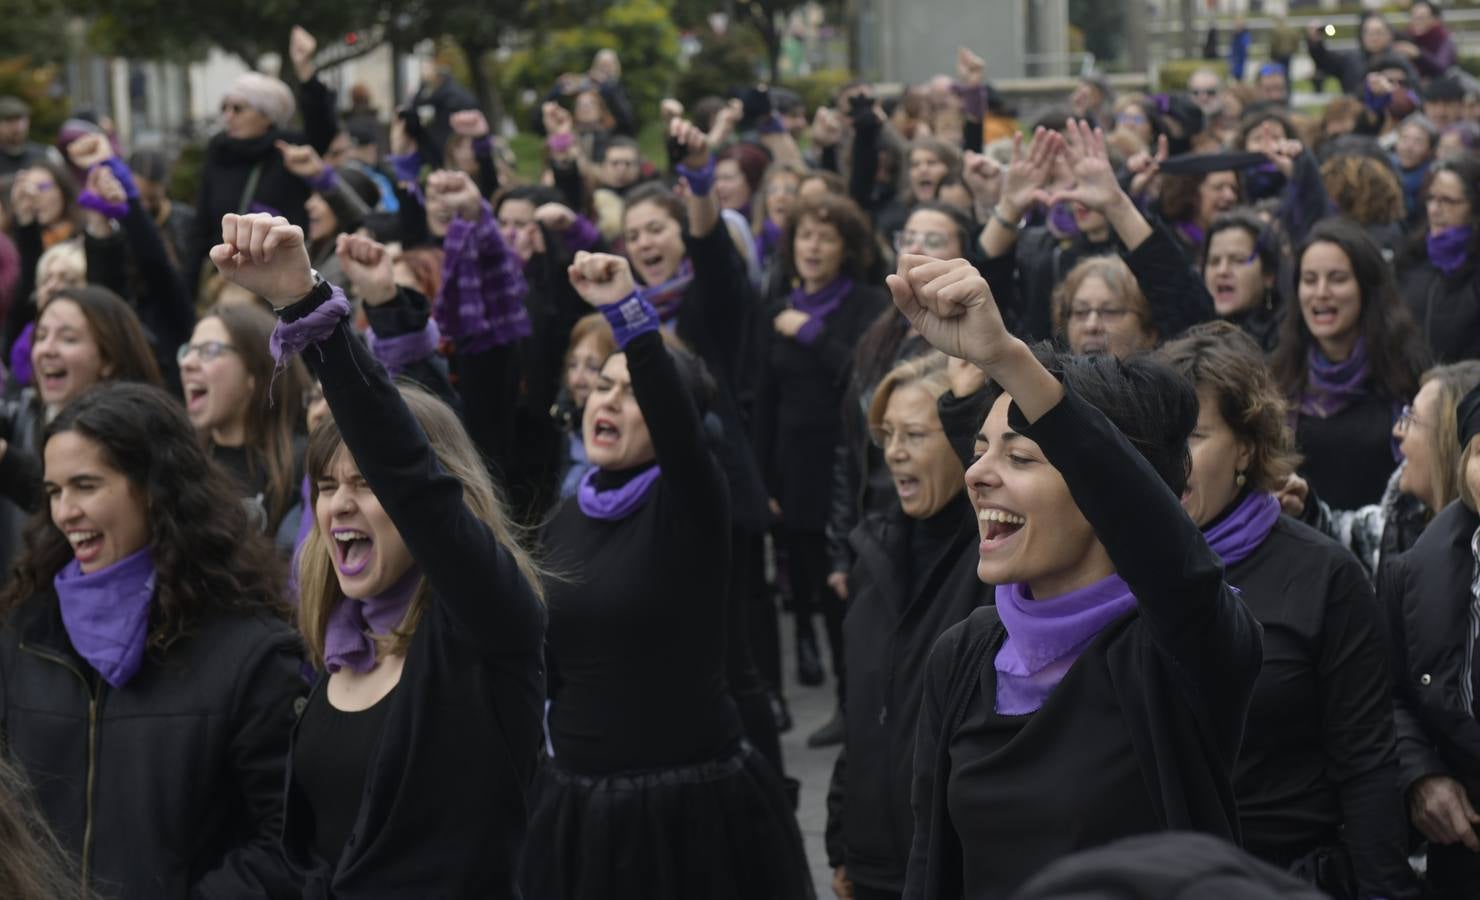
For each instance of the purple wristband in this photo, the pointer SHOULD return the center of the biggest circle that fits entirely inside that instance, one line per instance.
(289, 338)
(323, 182)
(94, 202)
(701, 181)
(483, 147)
(581, 235)
(559, 143)
(810, 331)
(396, 353)
(125, 177)
(630, 318)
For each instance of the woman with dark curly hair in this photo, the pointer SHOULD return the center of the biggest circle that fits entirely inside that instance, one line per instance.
(1316, 779)
(1365, 189)
(149, 678)
(1348, 359)
(1438, 275)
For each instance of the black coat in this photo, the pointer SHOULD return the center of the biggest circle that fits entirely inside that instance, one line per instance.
(171, 786)
(799, 410)
(1447, 309)
(1427, 594)
(893, 622)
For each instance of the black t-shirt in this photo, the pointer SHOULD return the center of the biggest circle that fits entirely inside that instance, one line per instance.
(330, 760)
(1349, 456)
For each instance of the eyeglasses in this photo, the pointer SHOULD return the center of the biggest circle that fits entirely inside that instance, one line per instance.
(1131, 119)
(1406, 418)
(913, 438)
(1106, 313)
(933, 241)
(206, 351)
(1203, 92)
(1448, 202)
(228, 106)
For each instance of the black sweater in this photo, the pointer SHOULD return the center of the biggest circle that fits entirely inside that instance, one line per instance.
(1447, 309)
(1348, 456)
(443, 812)
(637, 633)
(1318, 764)
(1182, 669)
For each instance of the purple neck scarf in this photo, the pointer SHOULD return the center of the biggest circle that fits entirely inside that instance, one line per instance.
(106, 614)
(1191, 232)
(666, 297)
(617, 503)
(1245, 528)
(1331, 387)
(767, 241)
(1061, 217)
(1447, 248)
(1045, 637)
(818, 306)
(349, 639)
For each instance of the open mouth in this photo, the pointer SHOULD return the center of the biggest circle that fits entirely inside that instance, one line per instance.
(52, 380)
(86, 545)
(651, 261)
(1323, 316)
(1094, 346)
(352, 550)
(907, 486)
(998, 526)
(605, 433)
(195, 397)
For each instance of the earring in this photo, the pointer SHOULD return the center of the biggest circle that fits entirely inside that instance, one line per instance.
(1240, 480)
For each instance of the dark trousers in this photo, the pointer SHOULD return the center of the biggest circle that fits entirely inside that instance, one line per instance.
(807, 568)
(747, 687)
(1454, 873)
(867, 893)
(761, 613)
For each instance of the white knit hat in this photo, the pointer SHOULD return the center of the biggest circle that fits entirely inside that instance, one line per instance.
(265, 94)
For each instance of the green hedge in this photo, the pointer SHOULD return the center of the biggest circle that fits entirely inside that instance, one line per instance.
(1174, 73)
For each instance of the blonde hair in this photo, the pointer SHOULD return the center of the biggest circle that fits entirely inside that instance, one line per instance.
(1466, 493)
(67, 254)
(1455, 381)
(927, 372)
(758, 210)
(1116, 275)
(319, 590)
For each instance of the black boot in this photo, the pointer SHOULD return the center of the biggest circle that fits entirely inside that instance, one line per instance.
(809, 665)
(830, 733)
(780, 712)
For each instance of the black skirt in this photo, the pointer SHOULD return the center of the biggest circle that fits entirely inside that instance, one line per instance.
(721, 830)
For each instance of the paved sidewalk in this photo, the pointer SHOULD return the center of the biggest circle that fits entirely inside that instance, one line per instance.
(810, 708)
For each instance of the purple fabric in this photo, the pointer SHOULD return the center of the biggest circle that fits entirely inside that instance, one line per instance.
(483, 287)
(581, 235)
(305, 527)
(324, 181)
(1245, 528)
(973, 100)
(819, 306)
(667, 297)
(772, 124)
(1378, 103)
(125, 176)
(768, 241)
(701, 181)
(20, 355)
(1331, 387)
(1191, 232)
(483, 147)
(349, 638)
(1447, 248)
(406, 166)
(106, 613)
(396, 353)
(289, 338)
(95, 202)
(257, 207)
(1045, 637)
(630, 318)
(618, 503)
(1061, 217)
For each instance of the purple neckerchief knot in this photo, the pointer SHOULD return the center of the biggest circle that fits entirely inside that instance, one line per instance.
(289, 338)
(581, 235)
(818, 306)
(406, 166)
(483, 286)
(668, 296)
(1240, 533)
(700, 180)
(1448, 248)
(94, 201)
(630, 318)
(106, 613)
(1331, 387)
(324, 182)
(20, 355)
(354, 624)
(617, 503)
(1045, 637)
(402, 350)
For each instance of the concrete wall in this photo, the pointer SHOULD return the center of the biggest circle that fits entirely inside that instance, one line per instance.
(912, 40)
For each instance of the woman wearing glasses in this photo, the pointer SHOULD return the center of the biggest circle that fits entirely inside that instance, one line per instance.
(1438, 278)
(249, 415)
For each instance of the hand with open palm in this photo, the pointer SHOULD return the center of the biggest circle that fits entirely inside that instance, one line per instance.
(1028, 173)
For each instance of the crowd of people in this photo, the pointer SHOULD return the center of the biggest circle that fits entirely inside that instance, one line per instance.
(377, 523)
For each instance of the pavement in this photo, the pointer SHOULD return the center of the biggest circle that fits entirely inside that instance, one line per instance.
(811, 707)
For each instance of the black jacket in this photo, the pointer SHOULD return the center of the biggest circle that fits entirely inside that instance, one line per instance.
(1183, 667)
(171, 786)
(889, 631)
(1447, 310)
(1427, 593)
(443, 813)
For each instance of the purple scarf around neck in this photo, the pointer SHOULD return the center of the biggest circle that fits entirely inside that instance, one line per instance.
(667, 297)
(819, 305)
(1192, 233)
(767, 241)
(349, 639)
(1241, 532)
(617, 503)
(1331, 387)
(1045, 637)
(106, 613)
(1447, 248)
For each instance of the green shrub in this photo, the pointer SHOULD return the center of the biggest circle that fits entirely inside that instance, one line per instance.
(819, 87)
(1174, 73)
(22, 78)
(735, 59)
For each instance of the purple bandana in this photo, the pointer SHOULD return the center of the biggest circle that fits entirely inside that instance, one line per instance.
(396, 353)
(819, 306)
(1331, 387)
(1045, 637)
(666, 297)
(20, 355)
(106, 613)
(618, 503)
(1245, 528)
(289, 338)
(1447, 248)
(349, 639)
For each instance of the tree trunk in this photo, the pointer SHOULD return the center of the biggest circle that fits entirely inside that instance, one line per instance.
(483, 89)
